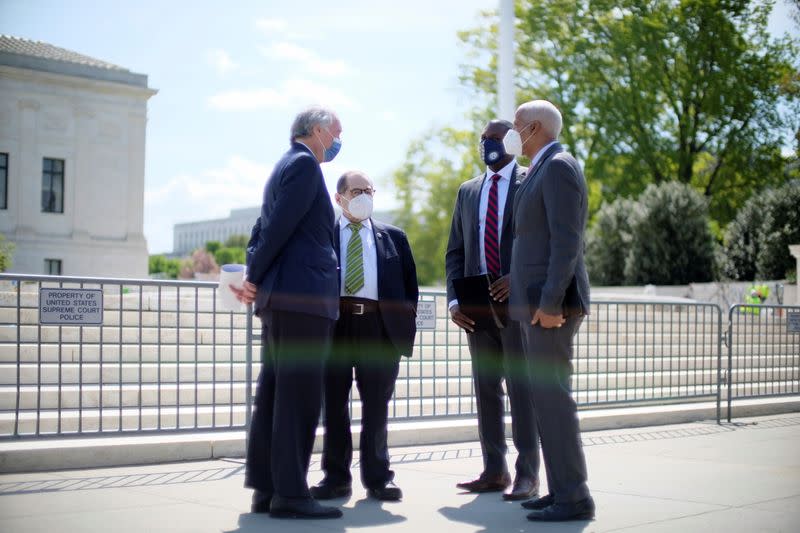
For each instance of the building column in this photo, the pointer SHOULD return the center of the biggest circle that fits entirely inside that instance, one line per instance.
(29, 191)
(83, 169)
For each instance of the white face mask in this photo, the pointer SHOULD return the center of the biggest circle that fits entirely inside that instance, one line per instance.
(512, 142)
(360, 207)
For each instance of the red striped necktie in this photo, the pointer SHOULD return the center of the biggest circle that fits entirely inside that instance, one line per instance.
(491, 244)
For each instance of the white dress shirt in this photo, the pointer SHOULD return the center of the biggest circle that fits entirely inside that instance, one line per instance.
(502, 194)
(369, 256)
(539, 155)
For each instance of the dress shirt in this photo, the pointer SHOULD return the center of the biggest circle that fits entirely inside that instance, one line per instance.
(369, 256)
(539, 156)
(502, 194)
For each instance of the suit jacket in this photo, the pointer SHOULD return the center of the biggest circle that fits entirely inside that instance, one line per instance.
(398, 290)
(463, 247)
(293, 262)
(550, 211)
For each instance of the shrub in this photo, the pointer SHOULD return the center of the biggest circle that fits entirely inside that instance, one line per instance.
(671, 241)
(607, 242)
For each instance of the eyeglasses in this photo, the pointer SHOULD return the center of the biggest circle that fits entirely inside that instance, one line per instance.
(369, 191)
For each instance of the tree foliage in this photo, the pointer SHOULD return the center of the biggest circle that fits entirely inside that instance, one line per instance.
(757, 240)
(6, 253)
(608, 242)
(159, 264)
(670, 239)
(651, 91)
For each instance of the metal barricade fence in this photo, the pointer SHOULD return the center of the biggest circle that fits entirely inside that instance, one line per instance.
(763, 344)
(165, 359)
(162, 359)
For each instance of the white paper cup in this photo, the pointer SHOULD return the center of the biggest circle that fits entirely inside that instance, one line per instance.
(226, 299)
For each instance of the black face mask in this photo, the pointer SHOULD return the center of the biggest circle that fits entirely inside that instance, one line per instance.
(492, 151)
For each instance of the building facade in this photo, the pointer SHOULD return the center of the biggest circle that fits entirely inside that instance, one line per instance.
(72, 153)
(189, 236)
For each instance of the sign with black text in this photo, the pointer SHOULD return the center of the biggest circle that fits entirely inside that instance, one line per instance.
(77, 307)
(426, 315)
(793, 322)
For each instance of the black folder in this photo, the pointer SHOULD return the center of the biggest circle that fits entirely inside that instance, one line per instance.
(475, 301)
(570, 306)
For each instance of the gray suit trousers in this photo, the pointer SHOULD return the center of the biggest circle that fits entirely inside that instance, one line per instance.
(549, 353)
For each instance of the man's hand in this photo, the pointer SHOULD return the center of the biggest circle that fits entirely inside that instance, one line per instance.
(547, 321)
(461, 320)
(500, 289)
(246, 294)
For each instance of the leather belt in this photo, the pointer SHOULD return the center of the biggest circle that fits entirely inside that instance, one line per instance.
(357, 306)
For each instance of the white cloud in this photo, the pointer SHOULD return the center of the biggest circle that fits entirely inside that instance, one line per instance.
(388, 116)
(221, 61)
(293, 92)
(306, 58)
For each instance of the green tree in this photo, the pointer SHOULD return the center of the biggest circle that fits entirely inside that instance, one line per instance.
(6, 253)
(226, 255)
(757, 240)
(651, 91)
(608, 241)
(160, 264)
(237, 241)
(213, 246)
(426, 184)
(671, 241)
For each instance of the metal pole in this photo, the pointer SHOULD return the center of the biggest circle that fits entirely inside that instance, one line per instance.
(506, 98)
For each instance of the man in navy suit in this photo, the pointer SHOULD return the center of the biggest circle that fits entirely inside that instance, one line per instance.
(376, 326)
(292, 278)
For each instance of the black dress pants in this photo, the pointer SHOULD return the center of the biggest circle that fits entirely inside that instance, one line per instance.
(497, 354)
(360, 344)
(288, 401)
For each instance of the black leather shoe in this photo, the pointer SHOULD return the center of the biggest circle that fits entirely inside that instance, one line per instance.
(561, 512)
(389, 492)
(487, 483)
(329, 491)
(260, 502)
(524, 488)
(539, 503)
(301, 508)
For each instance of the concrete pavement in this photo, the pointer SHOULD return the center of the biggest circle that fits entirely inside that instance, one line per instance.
(688, 477)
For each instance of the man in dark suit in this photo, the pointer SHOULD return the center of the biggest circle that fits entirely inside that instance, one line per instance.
(549, 296)
(376, 326)
(480, 243)
(292, 278)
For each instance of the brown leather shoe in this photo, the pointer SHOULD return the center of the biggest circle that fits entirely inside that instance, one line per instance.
(487, 483)
(524, 488)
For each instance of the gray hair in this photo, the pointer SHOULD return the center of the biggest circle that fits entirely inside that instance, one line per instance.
(544, 112)
(305, 121)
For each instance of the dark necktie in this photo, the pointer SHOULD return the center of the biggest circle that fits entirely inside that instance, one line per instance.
(491, 244)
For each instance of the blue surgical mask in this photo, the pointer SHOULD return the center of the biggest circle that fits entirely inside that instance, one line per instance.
(492, 151)
(331, 152)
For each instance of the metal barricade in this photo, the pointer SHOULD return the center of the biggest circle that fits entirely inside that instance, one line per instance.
(164, 359)
(763, 352)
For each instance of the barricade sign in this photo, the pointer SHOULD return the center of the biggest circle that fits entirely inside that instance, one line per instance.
(793, 322)
(81, 307)
(426, 315)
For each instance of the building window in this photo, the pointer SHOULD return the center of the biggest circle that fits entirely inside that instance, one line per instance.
(52, 185)
(3, 181)
(52, 267)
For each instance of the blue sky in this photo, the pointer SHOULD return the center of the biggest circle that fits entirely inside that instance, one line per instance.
(231, 76)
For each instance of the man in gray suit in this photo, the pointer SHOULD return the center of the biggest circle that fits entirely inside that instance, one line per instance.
(549, 297)
(480, 243)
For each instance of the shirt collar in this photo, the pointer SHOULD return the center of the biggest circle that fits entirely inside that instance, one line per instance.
(505, 172)
(540, 153)
(343, 223)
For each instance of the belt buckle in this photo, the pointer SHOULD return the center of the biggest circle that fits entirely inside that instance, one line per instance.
(358, 309)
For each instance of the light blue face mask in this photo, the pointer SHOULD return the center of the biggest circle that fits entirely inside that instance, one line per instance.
(331, 152)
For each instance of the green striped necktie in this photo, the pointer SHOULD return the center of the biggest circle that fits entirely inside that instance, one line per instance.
(354, 277)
